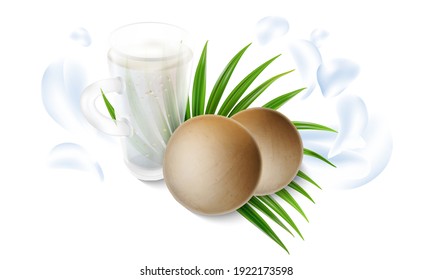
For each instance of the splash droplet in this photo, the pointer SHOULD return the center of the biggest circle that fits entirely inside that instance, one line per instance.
(81, 36)
(353, 118)
(318, 36)
(307, 59)
(73, 156)
(334, 77)
(271, 27)
(61, 87)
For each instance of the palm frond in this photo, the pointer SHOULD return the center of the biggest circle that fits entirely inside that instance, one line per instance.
(240, 89)
(222, 82)
(199, 85)
(307, 178)
(247, 100)
(251, 215)
(286, 196)
(299, 189)
(279, 101)
(312, 126)
(254, 201)
(311, 153)
(187, 111)
(274, 205)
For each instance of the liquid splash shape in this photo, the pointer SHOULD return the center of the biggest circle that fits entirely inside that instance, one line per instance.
(378, 152)
(335, 76)
(271, 27)
(81, 36)
(318, 137)
(307, 59)
(350, 165)
(62, 84)
(73, 156)
(354, 167)
(353, 118)
(318, 36)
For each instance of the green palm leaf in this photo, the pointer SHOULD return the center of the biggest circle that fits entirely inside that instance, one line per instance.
(254, 201)
(300, 190)
(199, 86)
(110, 108)
(274, 205)
(284, 194)
(312, 126)
(222, 82)
(311, 153)
(251, 215)
(188, 111)
(247, 100)
(276, 103)
(240, 89)
(307, 178)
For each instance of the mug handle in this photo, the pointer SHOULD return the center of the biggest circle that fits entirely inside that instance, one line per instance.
(119, 127)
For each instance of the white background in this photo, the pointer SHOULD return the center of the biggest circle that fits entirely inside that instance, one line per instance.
(67, 225)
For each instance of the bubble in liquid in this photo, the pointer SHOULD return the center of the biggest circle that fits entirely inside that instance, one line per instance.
(62, 84)
(73, 156)
(318, 36)
(81, 36)
(307, 59)
(271, 27)
(353, 119)
(335, 76)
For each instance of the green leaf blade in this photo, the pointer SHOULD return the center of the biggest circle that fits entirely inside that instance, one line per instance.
(247, 100)
(254, 201)
(312, 126)
(240, 89)
(222, 82)
(110, 108)
(307, 178)
(279, 101)
(311, 153)
(199, 85)
(300, 190)
(251, 215)
(274, 205)
(187, 111)
(286, 196)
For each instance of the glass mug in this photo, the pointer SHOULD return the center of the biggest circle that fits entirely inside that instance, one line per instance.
(151, 68)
